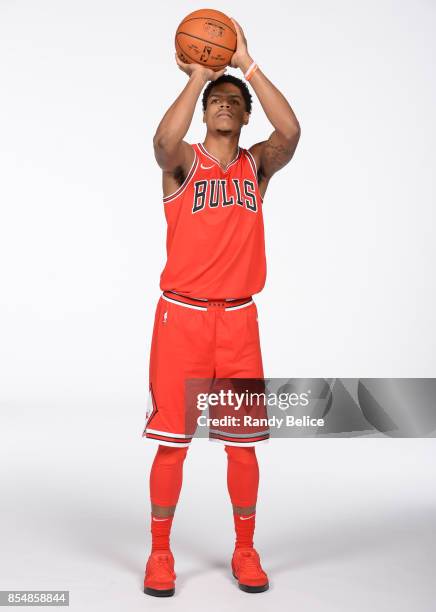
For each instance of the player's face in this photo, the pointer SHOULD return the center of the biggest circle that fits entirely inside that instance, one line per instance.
(225, 109)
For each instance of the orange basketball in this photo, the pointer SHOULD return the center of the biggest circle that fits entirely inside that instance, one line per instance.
(206, 37)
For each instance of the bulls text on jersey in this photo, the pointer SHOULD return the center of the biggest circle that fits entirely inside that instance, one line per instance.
(212, 193)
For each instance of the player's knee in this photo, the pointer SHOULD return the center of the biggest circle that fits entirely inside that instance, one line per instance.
(171, 455)
(240, 454)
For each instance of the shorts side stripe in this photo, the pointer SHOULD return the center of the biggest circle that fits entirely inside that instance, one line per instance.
(168, 439)
(240, 436)
(240, 442)
(170, 435)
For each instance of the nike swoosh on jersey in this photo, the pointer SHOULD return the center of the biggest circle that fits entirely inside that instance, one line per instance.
(206, 167)
(245, 518)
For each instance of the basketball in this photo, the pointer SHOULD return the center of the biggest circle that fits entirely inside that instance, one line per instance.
(206, 37)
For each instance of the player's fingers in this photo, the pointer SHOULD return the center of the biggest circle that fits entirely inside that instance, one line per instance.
(239, 31)
(236, 24)
(180, 64)
(216, 75)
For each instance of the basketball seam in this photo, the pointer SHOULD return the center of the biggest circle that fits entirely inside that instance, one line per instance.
(187, 54)
(205, 41)
(195, 61)
(184, 52)
(217, 20)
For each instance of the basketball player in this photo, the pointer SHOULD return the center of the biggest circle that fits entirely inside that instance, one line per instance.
(206, 320)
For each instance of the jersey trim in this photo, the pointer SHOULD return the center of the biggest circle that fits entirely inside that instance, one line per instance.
(197, 299)
(240, 305)
(189, 296)
(180, 303)
(252, 161)
(214, 159)
(181, 189)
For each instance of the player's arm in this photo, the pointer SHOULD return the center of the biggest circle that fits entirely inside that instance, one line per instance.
(170, 150)
(272, 154)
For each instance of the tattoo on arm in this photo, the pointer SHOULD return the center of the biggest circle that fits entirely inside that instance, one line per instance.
(276, 152)
(276, 155)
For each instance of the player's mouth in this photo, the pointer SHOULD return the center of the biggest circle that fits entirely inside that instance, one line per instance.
(225, 114)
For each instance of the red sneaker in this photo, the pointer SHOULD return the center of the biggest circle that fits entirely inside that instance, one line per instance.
(159, 579)
(248, 571)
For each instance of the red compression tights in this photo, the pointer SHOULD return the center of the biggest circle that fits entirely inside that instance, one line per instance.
(166, 478)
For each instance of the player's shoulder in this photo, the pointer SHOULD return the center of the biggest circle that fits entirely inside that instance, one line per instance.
(250, 156)
(246, 153)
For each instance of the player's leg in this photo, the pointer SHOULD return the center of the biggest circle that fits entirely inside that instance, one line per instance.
(243, 484)
(181, 349)
(166, 476)
(240, 357)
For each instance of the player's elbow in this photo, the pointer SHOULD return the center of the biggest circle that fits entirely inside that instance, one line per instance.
(164, 144)
(292, 132)
(160, 142)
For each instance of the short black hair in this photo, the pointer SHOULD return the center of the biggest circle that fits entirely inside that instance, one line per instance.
(229, 78)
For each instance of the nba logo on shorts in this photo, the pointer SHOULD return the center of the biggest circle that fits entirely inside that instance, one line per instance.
(165, 316)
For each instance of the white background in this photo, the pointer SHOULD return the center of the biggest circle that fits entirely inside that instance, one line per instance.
(350, 293)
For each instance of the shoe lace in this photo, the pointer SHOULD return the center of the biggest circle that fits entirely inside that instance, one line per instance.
(250, 560)
(162, 559)
(162, 565)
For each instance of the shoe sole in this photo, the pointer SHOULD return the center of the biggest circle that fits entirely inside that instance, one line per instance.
(159, 592)
(252, 589)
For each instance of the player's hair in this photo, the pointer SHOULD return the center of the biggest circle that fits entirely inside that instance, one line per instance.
(229, 78)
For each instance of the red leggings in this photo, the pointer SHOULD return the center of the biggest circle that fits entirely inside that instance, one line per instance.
(166, 475)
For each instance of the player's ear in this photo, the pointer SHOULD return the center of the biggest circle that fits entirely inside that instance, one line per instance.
(246, 118)
(204, 116)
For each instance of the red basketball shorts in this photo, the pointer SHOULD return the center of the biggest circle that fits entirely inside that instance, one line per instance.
(201, 339)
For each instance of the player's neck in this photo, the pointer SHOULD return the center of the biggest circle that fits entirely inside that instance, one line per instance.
(223, 147)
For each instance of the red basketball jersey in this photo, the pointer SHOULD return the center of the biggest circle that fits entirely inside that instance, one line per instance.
(215, 236)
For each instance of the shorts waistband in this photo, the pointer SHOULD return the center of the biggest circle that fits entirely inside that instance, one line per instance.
(206, 304)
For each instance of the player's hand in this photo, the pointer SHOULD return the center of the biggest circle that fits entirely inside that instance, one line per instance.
(206, 73)
(241, 58)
